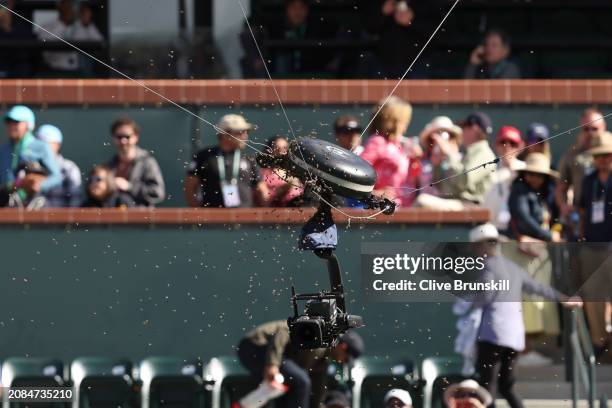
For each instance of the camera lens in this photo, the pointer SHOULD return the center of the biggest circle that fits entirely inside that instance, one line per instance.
(308, 334)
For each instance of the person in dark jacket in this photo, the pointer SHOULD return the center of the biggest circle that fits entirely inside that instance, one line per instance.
(102, 192)
(267, 350)
(135, 170)
(491, 59)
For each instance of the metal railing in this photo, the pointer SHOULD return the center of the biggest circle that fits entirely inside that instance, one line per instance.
(582, 367)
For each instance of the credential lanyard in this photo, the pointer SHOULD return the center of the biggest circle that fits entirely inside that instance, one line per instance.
(235, 167)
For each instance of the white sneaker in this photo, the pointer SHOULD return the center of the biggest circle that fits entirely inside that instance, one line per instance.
(533, 359)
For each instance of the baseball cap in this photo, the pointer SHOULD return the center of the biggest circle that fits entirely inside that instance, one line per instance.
(354, 342)
(400, 394)
(49, 134)
(481, 119)
(484, 232)
(233, 122)
(468, 385)
(21, 113)
(509, 134)
(537, 132)
(347, 123)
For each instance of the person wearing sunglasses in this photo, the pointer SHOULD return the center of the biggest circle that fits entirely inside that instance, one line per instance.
(135, 170)
(22, 147)
(467, 394)
(576, 162)
(101, 191)
(508, 142)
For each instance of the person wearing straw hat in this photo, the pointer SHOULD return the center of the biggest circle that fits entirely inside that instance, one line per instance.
(595, 206)
(467, 394)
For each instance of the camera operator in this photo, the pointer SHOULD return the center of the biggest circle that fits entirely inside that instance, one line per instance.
(267, 350)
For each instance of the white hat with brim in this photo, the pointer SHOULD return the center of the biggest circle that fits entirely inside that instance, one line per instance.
(484, 232)
(539, 163)
(468, 385)
(400, 394)
(234, 123)
(440, 123)
(601, 144)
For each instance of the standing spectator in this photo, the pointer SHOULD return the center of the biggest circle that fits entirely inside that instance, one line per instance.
(26, 194)
(398, 398)
(135, 170)
(385, 152)
(68, 194)
(62, 62)
(14, 62)
(102, 192)
(467, 394)
(348, 133)
(23, 147)
(508, 142)
(490, 60)
(576, 162)
(468, 187)
(537, 141)
(267, 350)
(85, 29)
(282, 189)
(595, 206)
(223, 176)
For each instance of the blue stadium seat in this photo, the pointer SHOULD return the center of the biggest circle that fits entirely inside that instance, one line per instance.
(437, 374)
(102, 382)
(32, 372)
(171, 382)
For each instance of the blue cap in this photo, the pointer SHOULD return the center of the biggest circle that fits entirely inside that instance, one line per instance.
(49, 134)
(21, 113)
(537, 132)
(481, 119)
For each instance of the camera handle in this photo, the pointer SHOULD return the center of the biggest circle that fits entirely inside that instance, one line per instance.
(335, 275)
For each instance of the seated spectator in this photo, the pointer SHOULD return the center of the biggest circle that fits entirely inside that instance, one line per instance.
(26, 191)
(336, 399)
(348, 133)
(23, 147)
(68, 193)
(464, 180)
(102, 191)
(398, 398)
(63, 62)
(490, 60)
(135, 170)
(536, 141)
(14, 62)
(467, 394)
(385, 152)
(222, 175)
(508, 142)
(282, 189)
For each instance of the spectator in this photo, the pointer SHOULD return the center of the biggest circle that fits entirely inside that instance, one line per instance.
(223, 176)
(26, 194)
(23, 147)
(490, 60)
(537, 141)
(444, 127)
(467, 394)
(84, 28)
(102, 191)
(68, 193)
(267, 350)
(461, 187)
(62, 62)
(576, 163)
(336, 399)
(14, 61)
(508, 143)
(385, 152)
(135, 170)
(398, 398)
(281, 188)
(501, 335)
(348, 133)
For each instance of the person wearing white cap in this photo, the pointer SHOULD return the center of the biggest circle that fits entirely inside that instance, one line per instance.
(501, 335)
(398, 398)
(222, 175)
(467, 394)
(68, 193)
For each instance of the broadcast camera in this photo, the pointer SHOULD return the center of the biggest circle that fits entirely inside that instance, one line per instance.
(328, 170)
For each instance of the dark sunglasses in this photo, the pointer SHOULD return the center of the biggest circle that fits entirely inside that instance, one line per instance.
(96, 179)
(507, 143)
(122, 136)
(467, 394)
(9, 121)
(590, 128)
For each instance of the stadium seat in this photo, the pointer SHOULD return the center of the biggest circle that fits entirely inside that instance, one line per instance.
(102, 382)
(32, 372)
(437, 374)
(230, 381)
(171, 382)
(373, 376)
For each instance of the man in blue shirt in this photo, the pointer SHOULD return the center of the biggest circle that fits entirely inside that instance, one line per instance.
(23, 147)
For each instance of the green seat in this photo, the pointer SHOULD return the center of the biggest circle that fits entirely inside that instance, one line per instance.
(171, 382)
(437, 374)
(373, 377)
(32, 372)
(229, 381)
(102, 382)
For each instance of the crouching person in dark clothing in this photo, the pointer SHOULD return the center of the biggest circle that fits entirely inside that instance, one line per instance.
(267, 351)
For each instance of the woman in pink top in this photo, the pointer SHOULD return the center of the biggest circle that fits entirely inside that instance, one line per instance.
(385, 152)
(281, 189)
